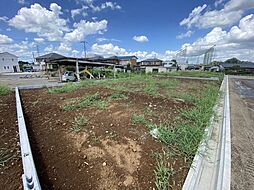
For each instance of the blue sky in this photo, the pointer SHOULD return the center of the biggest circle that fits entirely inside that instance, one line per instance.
(162, 28)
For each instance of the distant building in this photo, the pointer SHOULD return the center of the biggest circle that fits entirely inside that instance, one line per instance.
(123, 60)
(230, 68)
(45, 59)
(151, 62)
(8, 63)
(157, 66)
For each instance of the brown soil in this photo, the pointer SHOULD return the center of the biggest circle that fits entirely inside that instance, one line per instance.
(11, 171)
(110, 153)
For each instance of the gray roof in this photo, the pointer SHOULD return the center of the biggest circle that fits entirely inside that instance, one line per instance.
(152, 60)
(50, 56)
(249, 65)
(4, 53)
(123, 57)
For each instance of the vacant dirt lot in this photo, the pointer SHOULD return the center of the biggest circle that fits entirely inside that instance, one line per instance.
(102, 143)
(10, 160)
(242, 115)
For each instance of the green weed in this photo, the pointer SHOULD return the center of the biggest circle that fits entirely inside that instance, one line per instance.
(79, 123)
(6, 156)
(84, 103)
(189, 131)
(118, 96)
(162, 173)
(70, 87)
(169, 84)
(101, 104)
(4, 90)
(136, 119)
(151, 89)
(187, 97)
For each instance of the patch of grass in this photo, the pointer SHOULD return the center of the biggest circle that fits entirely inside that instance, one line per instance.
(203, 74)
(101, 104)
(169, 84)
(150, 112)
(187, 97)
(151, 90)
(70, 87)
(79, 123)
(84, 103)
(4, 90)
(118, 96)
(5, 156)
(162, 173)
(121, 88)
(187, 134)
(136, 119)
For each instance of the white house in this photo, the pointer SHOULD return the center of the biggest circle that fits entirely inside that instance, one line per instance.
(8, 63)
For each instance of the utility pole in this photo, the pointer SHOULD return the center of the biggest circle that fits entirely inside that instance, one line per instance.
(33, 57)
(84, 46)
(37, 48)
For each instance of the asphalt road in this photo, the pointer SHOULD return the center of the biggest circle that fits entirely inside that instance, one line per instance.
(242, 132)
(24, 79)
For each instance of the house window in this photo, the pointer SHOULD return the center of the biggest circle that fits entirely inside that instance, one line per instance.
(12, 59)
(3, 59)
(8, 67)
(4, 67)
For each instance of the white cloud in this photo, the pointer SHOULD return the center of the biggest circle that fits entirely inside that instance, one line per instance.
(75, 52)
(140, 39)
(110, 50)
(107, 40)
(39, 40)
(64, 48)
(185, 35)
(101, 39)
(37, 19)
(21, 2)
(76, 12)
(84, 28)
(111, 5)
(4, 18)
(193, 16)
(5, 39)
(49, 49)
(106, 5)
(231, 13)
(218, 2)
(238, 41)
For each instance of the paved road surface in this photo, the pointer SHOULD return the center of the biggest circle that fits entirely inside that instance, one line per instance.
(18, 79)
(242, 133)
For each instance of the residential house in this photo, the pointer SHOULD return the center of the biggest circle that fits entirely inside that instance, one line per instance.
(8, 63)
(123, 60)
(45, 59)
(244, 68)
(151, 62)
(152, 65)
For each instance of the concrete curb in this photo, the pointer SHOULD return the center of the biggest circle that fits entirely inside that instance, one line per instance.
(197, 78)
(29, 178)
(211, 167)
(224, 176)
(29, 87)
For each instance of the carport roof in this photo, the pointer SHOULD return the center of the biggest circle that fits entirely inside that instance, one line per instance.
(81, 61)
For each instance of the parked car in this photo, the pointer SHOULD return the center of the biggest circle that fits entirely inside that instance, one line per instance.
(69, 76)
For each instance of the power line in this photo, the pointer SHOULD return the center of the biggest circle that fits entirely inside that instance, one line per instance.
(84, 46)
